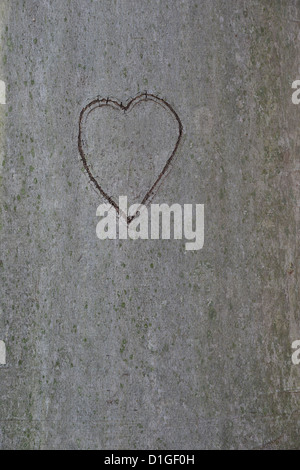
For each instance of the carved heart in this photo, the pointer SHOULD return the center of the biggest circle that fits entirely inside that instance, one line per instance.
(126, 109)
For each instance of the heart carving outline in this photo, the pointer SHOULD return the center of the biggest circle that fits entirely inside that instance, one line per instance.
(98, 103)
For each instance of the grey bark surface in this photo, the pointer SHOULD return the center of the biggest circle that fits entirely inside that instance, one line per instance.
(142, 344)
